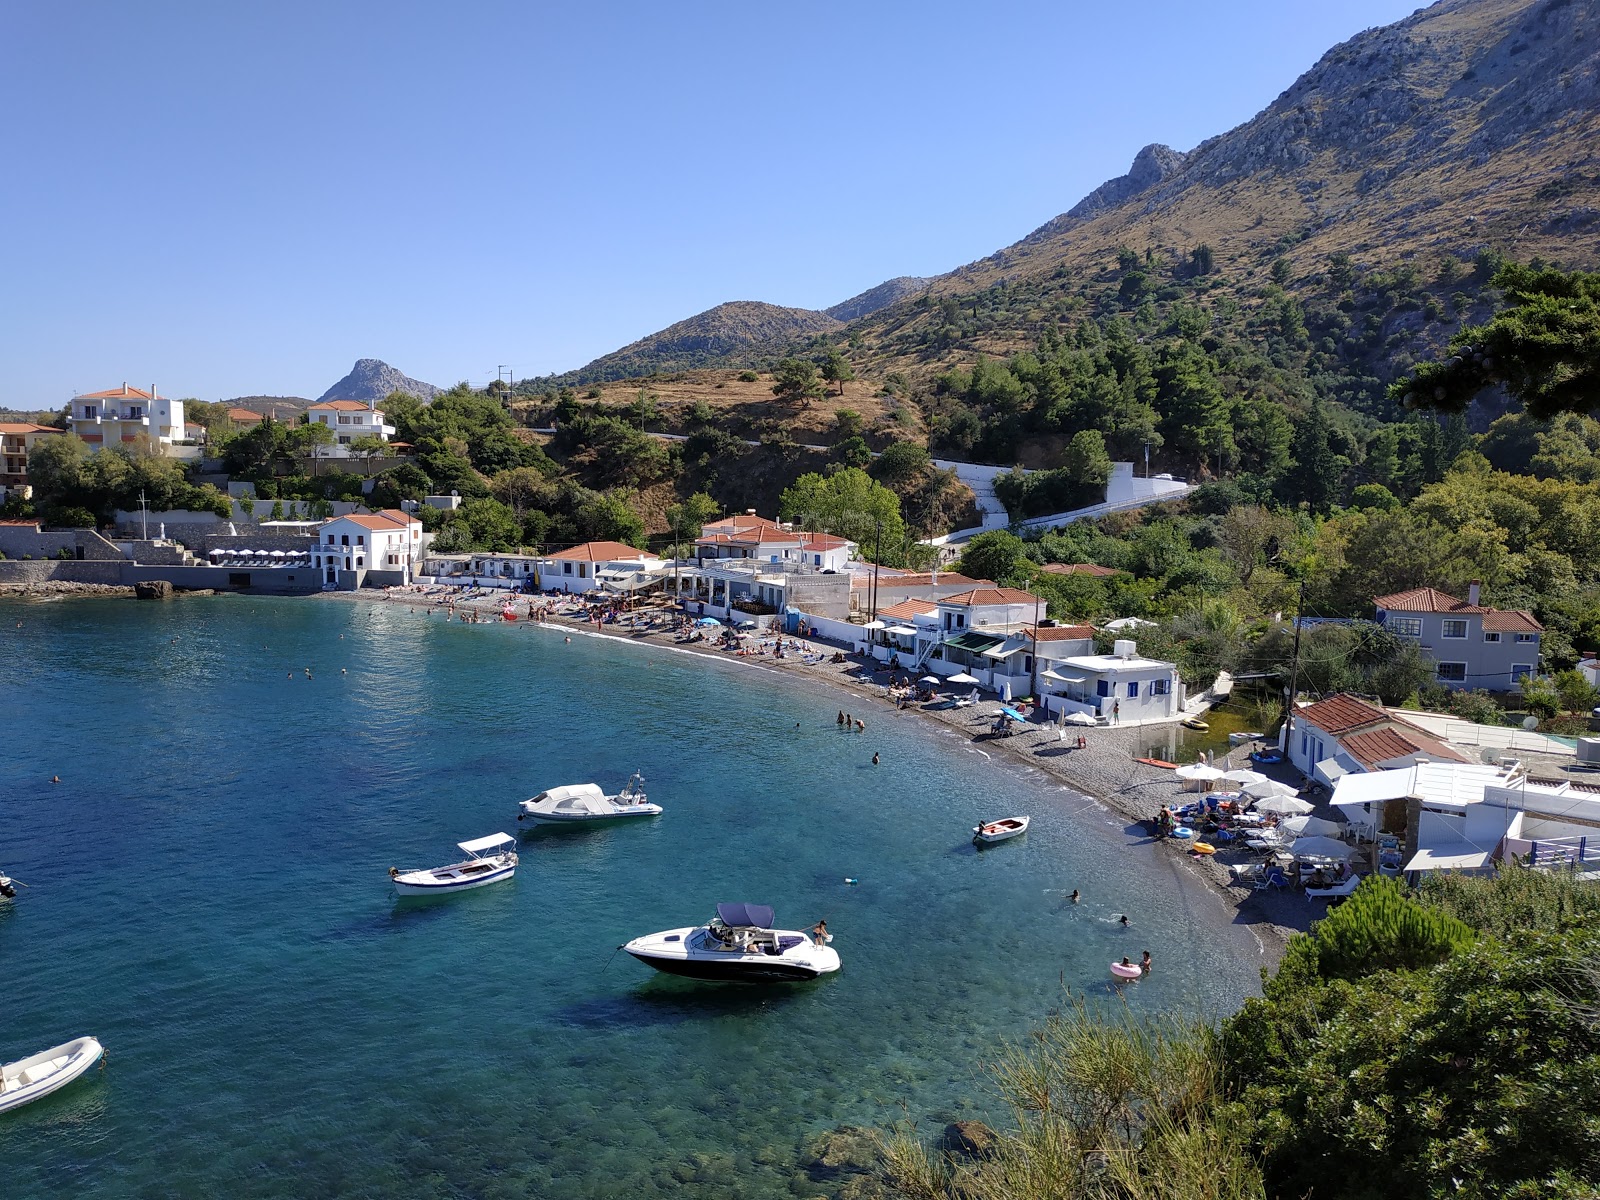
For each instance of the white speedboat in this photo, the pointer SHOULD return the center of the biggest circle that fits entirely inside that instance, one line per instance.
(28, 1079)
(738, 945)
(8, 890)
(991, 832)
(489, 860)
(580, 802)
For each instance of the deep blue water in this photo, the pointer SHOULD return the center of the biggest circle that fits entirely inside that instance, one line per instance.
(210, 898)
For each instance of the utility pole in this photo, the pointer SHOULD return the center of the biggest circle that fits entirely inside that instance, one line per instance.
(1033, 678)
(877, 553)
(1294, 677)
(144, 518)
(1147, 460)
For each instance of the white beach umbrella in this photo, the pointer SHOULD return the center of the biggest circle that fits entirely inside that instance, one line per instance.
(930, 679)
(961, 677)
(1303, 826)
(1319, 847)
(1244, 775)
(1284, 806)
(218, 552)
(279, 554)
(1199, 771)
(1268, 790)
(1079, 718)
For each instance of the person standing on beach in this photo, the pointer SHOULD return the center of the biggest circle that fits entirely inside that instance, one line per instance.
(1116, 712)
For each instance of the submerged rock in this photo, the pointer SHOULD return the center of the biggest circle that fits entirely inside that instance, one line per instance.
(967, 1139)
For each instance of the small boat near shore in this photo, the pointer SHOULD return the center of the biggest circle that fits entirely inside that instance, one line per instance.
(32, 1078)
(738, 945)
(990, 832)
(1157, 762)
(8, 889)
(489, 860)
(585, 802)
(1195, 723)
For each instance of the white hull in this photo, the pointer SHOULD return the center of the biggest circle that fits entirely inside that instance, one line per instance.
(620, 812)
(585, 803)
(694, 953)
(30, 1079)
(991, 832)
(460, 877)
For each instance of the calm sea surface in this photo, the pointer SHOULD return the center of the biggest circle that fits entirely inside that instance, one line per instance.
(210, 898)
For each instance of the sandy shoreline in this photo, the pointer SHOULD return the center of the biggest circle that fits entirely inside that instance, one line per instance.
(1104, 770)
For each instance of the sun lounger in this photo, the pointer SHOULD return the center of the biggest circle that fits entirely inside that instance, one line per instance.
(1338, 889)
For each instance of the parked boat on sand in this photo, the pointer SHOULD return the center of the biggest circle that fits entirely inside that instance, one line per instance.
(738, 945)
(489, 860)
(585, 802)
(31, 1078)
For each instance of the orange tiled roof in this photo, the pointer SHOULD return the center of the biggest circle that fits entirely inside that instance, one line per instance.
(379, 520)
(123, 392)
(822, 541)
(21, 427)
(342, 405)
(1341, 714)
(602, 552)
(1373, 746)
(243, 416)
(908, 610)
(1063, 633)
(1513, 620)
(1079, 569)
(992, 595)
(1425, 599)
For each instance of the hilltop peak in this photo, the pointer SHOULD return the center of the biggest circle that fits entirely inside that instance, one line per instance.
(373, 379)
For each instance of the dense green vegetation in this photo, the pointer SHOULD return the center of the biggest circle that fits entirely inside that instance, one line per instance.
(1441, 1043)
(73, 486)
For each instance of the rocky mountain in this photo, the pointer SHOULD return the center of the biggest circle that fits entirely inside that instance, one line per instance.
(873, 299)
(373, 379)
(744, 329)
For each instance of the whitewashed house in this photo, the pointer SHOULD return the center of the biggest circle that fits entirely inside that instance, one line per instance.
(588, 567)
(1121, 688)
(1342, 734)
(125, 415)
(380, 548)
(349, 420)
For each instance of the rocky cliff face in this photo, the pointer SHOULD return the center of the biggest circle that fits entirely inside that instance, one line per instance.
(373, 379)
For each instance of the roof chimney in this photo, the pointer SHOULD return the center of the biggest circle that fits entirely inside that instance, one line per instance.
(1472, 593)
(372, 404)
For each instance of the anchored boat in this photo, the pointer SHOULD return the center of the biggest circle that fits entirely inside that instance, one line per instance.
(738, 945)
(583, 802)
(991, 832)
(489, 860)
(29, 1079)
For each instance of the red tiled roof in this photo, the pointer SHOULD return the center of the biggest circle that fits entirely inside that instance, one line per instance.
(131, 393)
(1079, 569)
(992, 595)
(342, 405)
(387, 519)
(1063, 633)
(602, 552)
(23, 427)
(924, 579)
(823, 541)
(1424, 599)
(744, 523)
(243, 416)
(1513, 620)
(1340, 714)
(1373, 746)
(908, 610)
(19, 522)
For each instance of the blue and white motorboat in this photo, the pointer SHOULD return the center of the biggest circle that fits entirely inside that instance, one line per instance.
(489, 860)
(38, 1075)
(738, 945)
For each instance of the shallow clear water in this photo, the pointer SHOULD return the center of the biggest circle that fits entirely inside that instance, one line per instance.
(210, 898)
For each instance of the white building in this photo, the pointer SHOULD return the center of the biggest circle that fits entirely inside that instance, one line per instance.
(124, 415)
(349, 420)
(1343, 734)
(382, 547)
(1467, 816)
(593, 565)
(1121, 687)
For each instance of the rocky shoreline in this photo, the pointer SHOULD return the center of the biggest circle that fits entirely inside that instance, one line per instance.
(1104, 770)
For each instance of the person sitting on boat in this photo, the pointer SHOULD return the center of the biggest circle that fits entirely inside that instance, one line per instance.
(819, 933)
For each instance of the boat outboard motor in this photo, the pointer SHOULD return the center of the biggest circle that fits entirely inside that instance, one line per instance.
(8, 891)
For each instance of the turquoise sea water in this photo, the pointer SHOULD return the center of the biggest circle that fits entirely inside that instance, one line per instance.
(210, 898)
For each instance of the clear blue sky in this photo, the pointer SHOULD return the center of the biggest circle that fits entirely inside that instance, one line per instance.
(224, 199)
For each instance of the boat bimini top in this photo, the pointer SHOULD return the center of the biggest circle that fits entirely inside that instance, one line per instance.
(478, 845)
(745, 916)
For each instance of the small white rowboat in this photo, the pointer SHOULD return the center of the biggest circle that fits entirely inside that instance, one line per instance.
(991, 832)
(29, 1079)
(490, 859)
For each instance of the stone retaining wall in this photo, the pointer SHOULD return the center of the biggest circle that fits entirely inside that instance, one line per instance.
(64, 569)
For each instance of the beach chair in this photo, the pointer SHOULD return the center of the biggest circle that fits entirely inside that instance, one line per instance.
(1272, 877)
